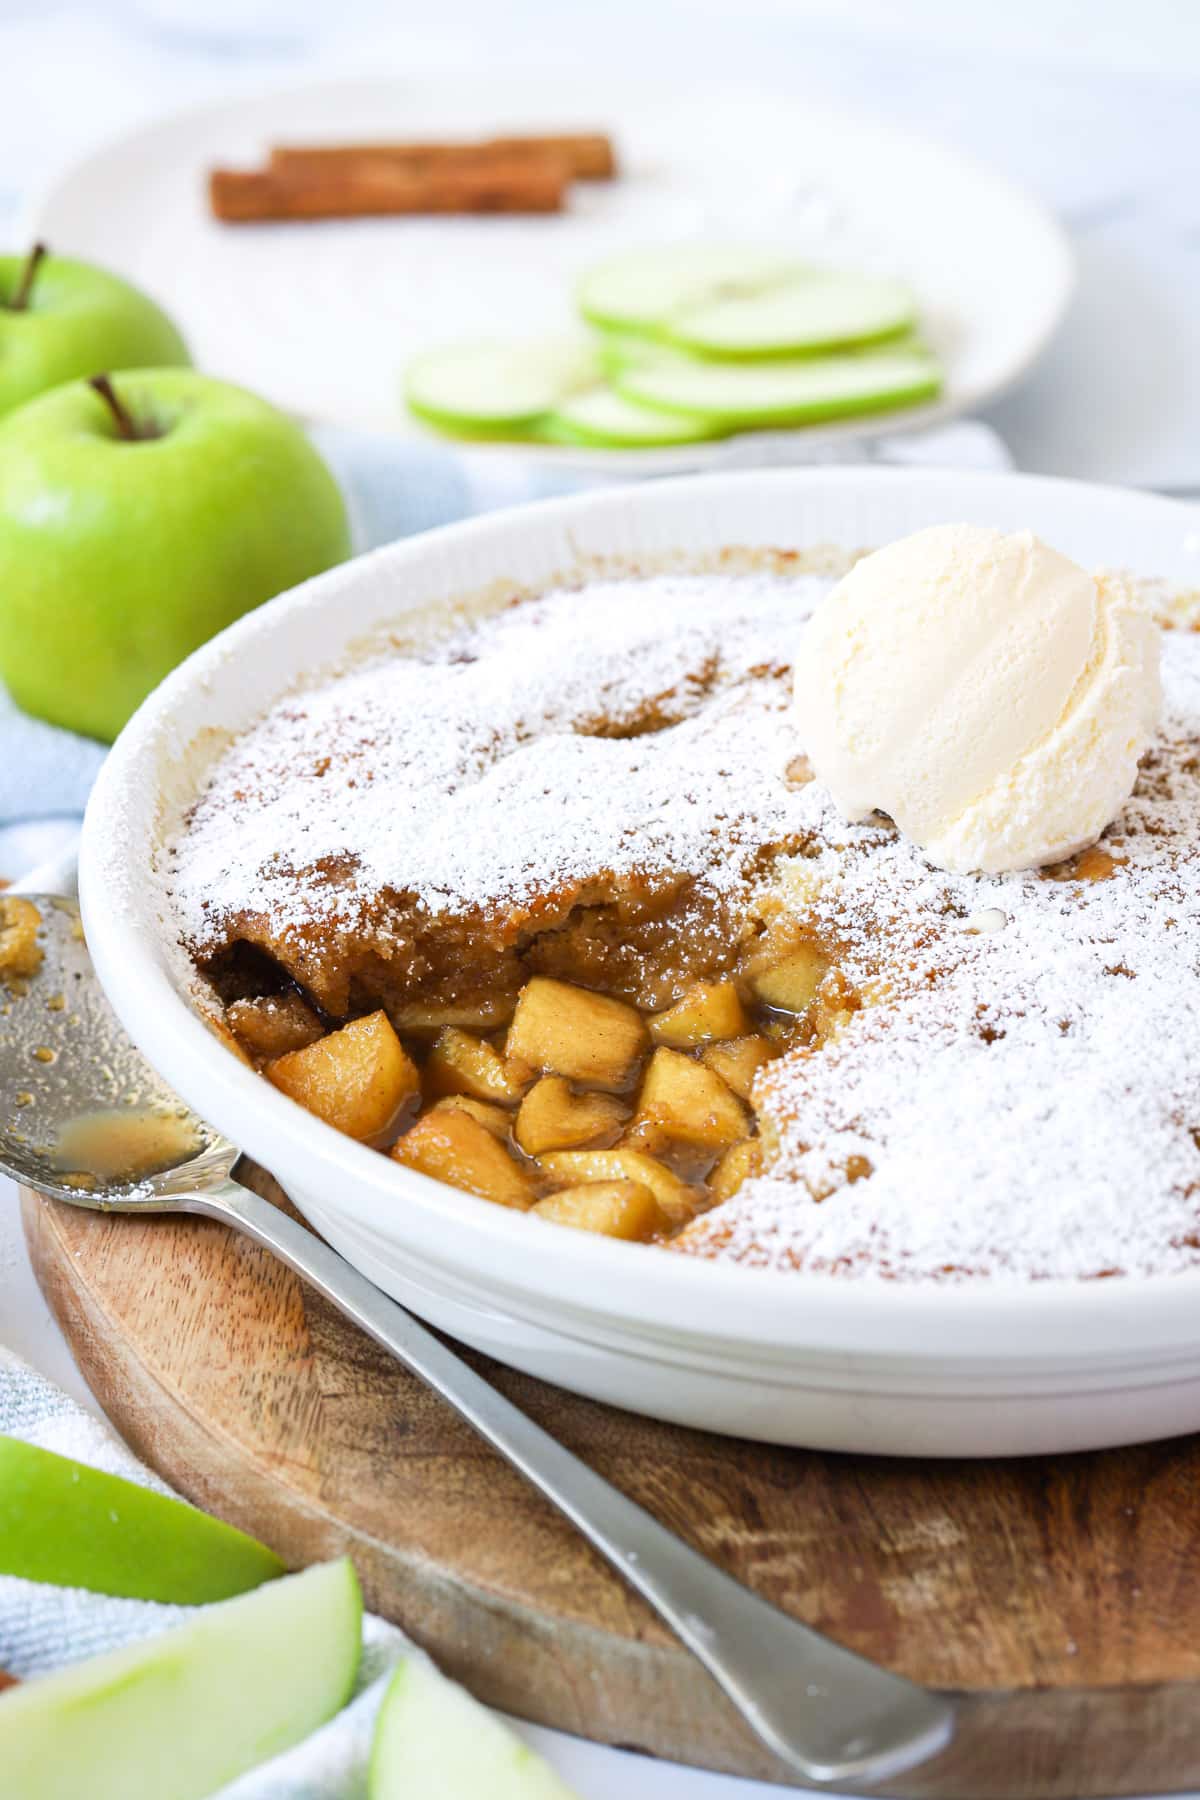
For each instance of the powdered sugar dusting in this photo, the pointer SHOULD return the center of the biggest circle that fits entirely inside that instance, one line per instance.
(489, 765)
(1028, 1095)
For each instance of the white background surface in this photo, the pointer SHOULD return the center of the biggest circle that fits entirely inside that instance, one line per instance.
(1095, 104)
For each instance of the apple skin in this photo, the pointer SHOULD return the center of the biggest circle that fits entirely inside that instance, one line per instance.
(119, 558)
(64, 1522)
(79, 320)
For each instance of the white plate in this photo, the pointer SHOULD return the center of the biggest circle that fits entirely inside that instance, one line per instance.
(323, 317)
(982, 1368)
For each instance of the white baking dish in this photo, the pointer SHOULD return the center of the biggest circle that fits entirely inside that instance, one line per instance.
(981, 1368)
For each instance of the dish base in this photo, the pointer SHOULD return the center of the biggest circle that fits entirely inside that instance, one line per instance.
(858, 1401)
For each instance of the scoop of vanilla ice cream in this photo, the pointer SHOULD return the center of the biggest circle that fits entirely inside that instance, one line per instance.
(984, 690)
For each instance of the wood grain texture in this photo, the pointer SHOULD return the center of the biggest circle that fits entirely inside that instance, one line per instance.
(1058, 1597)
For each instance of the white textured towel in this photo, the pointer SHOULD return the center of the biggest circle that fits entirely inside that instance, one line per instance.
(42, 1627)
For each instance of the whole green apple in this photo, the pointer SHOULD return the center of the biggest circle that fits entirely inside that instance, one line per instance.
(60, 320)
(137, 519)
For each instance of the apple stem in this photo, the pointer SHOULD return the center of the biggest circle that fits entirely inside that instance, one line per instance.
(20, 299)
(116, 406)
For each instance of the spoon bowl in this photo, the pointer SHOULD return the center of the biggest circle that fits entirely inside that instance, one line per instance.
(74, 1089)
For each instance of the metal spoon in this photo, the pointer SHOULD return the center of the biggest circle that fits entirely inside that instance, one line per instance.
(64, 1058)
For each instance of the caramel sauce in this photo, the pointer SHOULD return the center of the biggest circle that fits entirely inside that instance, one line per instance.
(20, 952)
(122, 1145)
(1093, 864)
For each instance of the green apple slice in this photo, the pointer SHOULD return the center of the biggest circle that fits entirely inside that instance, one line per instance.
(433, 1742)
(600, 417)
(748, 395)
(497, 389)
(75, 1526)
(818, 312)
(643, 289)
(616, 350)
(178, 1716)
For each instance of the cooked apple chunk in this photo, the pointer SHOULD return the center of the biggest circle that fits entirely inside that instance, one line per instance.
(619, 1209)
(20, 952)
(481, 1012)
(234, 1045)
(690, 1102)
(493, 1118)
(455, 1148)
(791, 984)
(462, 1064)
(553, 1117)
(708, 1012)
(274, 1024)
(739, 1162)
(357, 1078)
(573, 1167)
(644, 1134)
(837, 1001)
(518, 1071)
(738, 1061)
(565, 1030)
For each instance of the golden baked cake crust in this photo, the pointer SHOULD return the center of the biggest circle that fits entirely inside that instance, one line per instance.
(412, 834)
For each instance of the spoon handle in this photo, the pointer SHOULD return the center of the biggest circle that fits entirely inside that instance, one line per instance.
(826, 1713)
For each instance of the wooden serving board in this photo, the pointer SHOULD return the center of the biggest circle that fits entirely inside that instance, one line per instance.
(1059, 1597)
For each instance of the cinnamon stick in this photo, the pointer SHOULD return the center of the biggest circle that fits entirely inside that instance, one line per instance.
(588, 155)
(7, 1680)
(377, 189)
